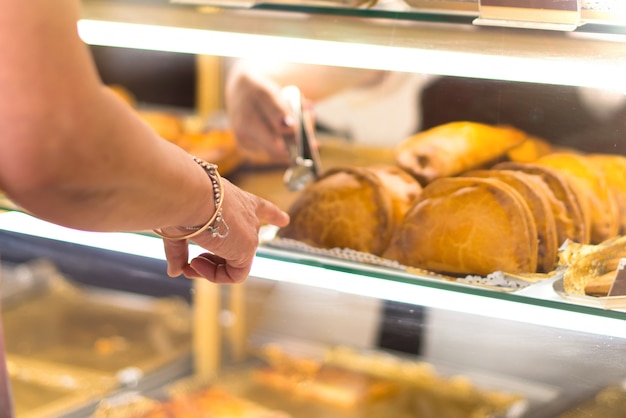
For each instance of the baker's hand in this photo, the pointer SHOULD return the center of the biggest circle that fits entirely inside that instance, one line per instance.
(229, 258)
(258, 115)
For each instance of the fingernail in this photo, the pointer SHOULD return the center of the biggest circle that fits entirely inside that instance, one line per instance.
(288, 121)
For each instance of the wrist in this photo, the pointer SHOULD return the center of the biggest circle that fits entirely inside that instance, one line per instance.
(216, 225)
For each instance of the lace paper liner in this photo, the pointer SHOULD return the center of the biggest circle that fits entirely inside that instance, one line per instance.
(497, 280)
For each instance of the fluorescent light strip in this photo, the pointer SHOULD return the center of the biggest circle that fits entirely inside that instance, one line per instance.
(347, 54)
(135, 244)
(437, 298)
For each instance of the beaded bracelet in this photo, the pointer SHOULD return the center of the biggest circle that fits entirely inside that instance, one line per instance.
(216, 226)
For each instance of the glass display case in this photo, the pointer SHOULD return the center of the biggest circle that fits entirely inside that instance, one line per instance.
(313, 332)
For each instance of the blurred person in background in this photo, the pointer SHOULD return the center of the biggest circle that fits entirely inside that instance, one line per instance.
(383, 108)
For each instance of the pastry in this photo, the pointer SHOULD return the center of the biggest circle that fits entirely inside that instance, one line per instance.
(453, 148)
(614, 168)
(590, 181)
(351, 207)
(217, 146)
(314, 380)
(212, 402)
(565, 204)
(530, 150)
(463, 226)
(430, 394)
(124, 94)
(330, 385)
(530, 189)
(167, 125)
(586, 264)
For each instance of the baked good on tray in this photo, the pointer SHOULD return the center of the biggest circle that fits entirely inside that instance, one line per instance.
(565, 203)
(212, 402)
(357, 382)
(591, 267)
(614, 169)
(352, 207)
(464, 225)
(313, 380)
(453, 148)
(530, 150)
(589, 181)
(533, 191)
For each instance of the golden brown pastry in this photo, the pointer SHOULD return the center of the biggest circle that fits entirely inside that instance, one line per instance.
(464, 225)
(330, 385)
(316, 380)
(352, 207)
(167, 125)
(530, 189)
(212, 402)
(530, 150)
(614, 168)
(217, 146)
(591, 183)
(453, 148)
(124, 94)
(585, 264)
(565, 204)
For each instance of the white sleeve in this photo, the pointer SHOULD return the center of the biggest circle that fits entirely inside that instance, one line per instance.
(382, 114)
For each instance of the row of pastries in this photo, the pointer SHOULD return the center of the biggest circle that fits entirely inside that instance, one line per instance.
(466, 198)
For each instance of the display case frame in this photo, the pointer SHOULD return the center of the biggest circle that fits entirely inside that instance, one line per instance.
(593, 56)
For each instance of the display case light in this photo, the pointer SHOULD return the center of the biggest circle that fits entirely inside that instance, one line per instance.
(270, 268)
(431, 297)
(394, 56)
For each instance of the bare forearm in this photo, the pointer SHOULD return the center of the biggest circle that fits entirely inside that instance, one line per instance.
(119, 176)
(70, 151)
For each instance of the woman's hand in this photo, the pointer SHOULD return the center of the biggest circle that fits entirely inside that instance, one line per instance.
(258, 115)
(230, 258)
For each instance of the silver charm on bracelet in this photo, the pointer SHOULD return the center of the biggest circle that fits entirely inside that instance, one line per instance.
(216, 226)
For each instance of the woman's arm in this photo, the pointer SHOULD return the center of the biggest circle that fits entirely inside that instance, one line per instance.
(258, 114)
(74, 154)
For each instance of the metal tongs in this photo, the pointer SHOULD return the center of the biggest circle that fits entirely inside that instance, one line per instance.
(305, 164)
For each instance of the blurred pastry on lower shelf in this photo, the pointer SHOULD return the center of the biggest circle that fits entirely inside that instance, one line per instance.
(333, 386)
(306, 379)
(212, 402)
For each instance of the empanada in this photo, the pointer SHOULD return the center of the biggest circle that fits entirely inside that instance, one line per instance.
(590, 182)
(530, 189)
(352, 207)
(467, 225)
(453, 148)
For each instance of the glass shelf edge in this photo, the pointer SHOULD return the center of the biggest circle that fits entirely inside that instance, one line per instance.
(364, 281)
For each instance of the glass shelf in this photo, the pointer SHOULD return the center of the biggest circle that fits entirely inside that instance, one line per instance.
(536, 304)
(364, 38)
